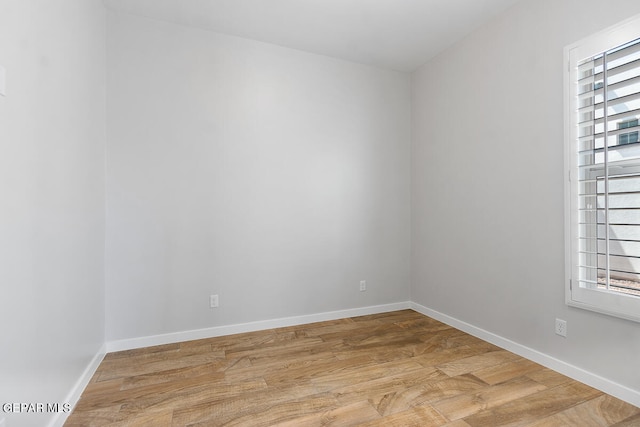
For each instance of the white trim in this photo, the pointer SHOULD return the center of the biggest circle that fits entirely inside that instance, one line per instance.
(607, 386)
(76, 391)
(217, 331)
(610, 37)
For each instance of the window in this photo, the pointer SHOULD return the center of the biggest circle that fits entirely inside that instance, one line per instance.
(602, 89)
(631, 137)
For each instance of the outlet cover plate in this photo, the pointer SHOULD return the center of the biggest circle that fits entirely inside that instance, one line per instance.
(561, 327)
(213, 301)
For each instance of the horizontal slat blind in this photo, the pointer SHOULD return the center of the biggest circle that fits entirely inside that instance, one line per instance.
(608, 120)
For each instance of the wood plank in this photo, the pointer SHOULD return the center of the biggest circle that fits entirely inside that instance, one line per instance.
(421, 393)
(603, 410)
(463, 405)
(534, 407)
(420, 416)
(629, 422)
(211, 370)
(400, 392)
(344, 416)
(161, 418)
(476, 363)
(504, 372)
(319, 369)
(284, 411)
(360, 374)
(280, 366)
(281, 403)
(141, 366)
(456, 423)
(549, 378)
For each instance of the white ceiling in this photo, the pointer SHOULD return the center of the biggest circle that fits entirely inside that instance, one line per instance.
(394, 34)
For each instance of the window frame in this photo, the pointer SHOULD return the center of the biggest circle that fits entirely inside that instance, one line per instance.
(630, 135)
(601, 301)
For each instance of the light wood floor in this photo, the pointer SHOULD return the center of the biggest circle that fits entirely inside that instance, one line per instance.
(393, 369)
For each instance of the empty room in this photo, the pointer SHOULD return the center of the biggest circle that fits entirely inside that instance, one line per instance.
(319, 212)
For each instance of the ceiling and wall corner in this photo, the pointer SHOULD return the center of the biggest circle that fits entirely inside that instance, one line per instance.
(392, 34)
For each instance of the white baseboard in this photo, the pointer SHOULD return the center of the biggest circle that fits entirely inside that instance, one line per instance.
(77, 389)
(218, 331)
(621, 392)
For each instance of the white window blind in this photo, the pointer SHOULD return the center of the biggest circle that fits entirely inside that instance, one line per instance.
(604, 171)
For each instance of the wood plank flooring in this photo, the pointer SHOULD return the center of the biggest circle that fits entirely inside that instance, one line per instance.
(392, 369)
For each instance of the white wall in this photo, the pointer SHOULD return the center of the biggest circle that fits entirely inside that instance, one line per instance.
(52, 142)
(274, 178)
(487, 186)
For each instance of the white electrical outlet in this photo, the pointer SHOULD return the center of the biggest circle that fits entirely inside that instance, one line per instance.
(561, 327)
(213, 301)
(363, 285)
